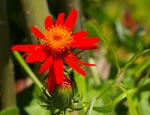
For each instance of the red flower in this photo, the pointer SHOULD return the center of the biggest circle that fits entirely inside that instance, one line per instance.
(129, 22)
(59, 39)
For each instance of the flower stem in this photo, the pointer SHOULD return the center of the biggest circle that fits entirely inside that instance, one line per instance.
(35, 13)
(131, 61)
(27, 69)
(94, 73)
(7, 84)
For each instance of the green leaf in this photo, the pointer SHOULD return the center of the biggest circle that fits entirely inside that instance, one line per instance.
(136, 56)
(80, 84)
(139, 68)
(119, 30)
(131, 105)
(91, 107)
(103, 109)
(10, 111)
(144, 84)
(144, 107)
(121, 96)
(35, 109)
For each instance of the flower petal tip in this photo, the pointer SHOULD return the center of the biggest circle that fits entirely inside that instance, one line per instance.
(37, 32)
(48, 22)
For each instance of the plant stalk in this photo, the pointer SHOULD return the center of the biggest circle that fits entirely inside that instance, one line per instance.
(7, 84)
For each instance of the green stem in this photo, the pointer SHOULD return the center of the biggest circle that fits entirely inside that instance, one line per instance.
(137, 55)
(7, 84)
(132, 108)
(131, 61)
(27, 69)
(35, 13)
(94, 73)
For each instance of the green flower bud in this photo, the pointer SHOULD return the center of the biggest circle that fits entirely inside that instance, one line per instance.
(62, 99)
(63, 95)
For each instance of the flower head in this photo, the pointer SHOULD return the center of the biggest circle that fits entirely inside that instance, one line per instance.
(58, 41)
(63, 99)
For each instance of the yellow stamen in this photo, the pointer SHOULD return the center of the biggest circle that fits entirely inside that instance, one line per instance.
(58, 39)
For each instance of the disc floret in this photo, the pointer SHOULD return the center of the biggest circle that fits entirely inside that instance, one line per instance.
(58, 39)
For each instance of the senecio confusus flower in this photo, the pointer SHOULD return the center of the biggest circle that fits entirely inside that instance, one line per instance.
(58, 41)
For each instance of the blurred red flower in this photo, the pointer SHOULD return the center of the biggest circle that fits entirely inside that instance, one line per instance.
(58, 41)
(128, 22)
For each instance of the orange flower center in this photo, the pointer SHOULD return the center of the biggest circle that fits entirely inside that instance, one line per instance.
(58, 39)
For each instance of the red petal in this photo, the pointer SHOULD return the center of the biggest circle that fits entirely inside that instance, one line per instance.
(71, 63)
(28, 48)
(77, 60)
(92, 40)
(89, 41)
(47, 64)
(36, 57)
(85, 42)
(51, 80)
(88, 48)
(59, 70)
(48, 22)
(60, 19)
(37, 32)
(71, 19)
(79, 35)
